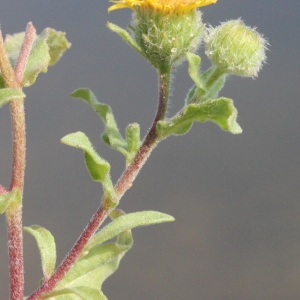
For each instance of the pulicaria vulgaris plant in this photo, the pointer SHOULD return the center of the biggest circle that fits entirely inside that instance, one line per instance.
(165, 33)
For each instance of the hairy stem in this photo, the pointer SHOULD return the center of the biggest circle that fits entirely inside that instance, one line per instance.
(18, 115)
(12, 79)
(150, 141)
(123, 184)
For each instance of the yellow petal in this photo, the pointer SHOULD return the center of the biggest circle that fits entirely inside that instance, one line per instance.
(163, 6)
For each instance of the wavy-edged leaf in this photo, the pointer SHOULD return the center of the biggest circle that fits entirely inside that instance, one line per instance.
(13, 197)
(47, 248)
(97, 166)
(126, 222)
(220, 111)
(46, 50)
(57, 44)
(76, 293)
(193, 69)
(38, 60)
(48, 47)
(7, 94)
(111, 135)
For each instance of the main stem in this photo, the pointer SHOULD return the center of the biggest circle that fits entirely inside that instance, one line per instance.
(121, 187)
(12, 80)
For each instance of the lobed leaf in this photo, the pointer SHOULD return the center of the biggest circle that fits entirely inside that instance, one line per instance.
(126, 222)
(220, 111)
(47, 248)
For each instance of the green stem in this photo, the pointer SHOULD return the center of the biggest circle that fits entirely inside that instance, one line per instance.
(213, 80)
(214, 74)
(123, 184)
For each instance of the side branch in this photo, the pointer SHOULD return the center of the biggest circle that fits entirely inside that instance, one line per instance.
(121, 187)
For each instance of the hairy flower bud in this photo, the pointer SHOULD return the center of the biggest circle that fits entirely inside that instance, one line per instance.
(236, 48)
(166, 38)
(165, 30)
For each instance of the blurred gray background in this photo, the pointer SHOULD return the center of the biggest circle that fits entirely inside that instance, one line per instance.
(235, 198)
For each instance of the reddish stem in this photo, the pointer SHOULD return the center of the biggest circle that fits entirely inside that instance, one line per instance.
(18, 114)
(121, 187)
(14, 212)
(15, 251)
(3, 190)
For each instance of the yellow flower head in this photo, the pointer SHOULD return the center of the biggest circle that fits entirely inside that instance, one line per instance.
(163, 6)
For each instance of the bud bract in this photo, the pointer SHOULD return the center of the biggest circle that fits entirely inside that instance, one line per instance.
(166, 38)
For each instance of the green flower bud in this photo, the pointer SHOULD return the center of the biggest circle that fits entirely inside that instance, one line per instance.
(236, 48)
(166, 38)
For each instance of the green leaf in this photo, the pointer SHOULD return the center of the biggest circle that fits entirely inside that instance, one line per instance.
(38, 60)
(98, 262)
(126, 37)
(13, 197)
(47, 248)
(57, 44)
(126, 222)
(48, 47)
(111, 135)
(93, 268)
(13, 45)
(97, 166)
(7, 95)
(76, 293)
(220, 111)
(46, 50)
(193, 70)
(133, 140)
(208, 85)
